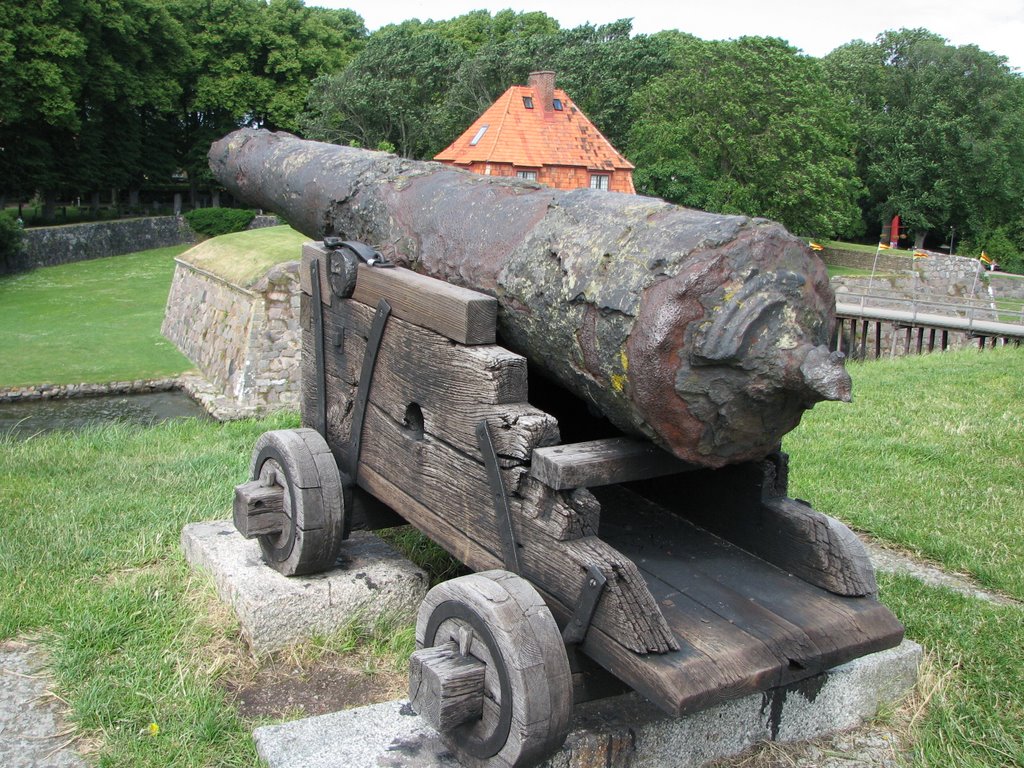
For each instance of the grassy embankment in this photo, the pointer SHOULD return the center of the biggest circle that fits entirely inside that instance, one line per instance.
(98, 321)
(929, 458)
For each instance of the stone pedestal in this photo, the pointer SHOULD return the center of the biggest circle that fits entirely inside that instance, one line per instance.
(274, 611)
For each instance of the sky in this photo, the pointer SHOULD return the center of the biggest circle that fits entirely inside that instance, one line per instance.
(814, 26)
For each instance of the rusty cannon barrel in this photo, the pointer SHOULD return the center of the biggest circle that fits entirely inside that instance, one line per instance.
(705, 333)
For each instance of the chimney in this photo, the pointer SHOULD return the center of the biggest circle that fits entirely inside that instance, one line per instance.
(543, 85)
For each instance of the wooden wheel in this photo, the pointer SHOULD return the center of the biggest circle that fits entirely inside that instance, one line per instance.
(492, 674)
(310, 522)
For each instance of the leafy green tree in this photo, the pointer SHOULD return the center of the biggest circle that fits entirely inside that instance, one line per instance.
(747, 126)
(393, 91)
(940, 131)
(84, 86)
(40, 83)
(253, 61)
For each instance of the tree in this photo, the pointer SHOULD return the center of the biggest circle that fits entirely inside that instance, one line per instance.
(940, 131)
(747, 126)
(253, 61)
(393, 91)
(85, 88)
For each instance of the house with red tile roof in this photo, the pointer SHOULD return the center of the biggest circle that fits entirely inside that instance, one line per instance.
(536, 132)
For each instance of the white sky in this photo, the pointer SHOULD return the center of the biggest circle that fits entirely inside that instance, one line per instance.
(814, 26)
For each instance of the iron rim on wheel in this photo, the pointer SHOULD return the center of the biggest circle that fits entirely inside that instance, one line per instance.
(498, 619)
(301, 463)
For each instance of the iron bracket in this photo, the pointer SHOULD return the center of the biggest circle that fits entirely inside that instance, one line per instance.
(316, 300)
(350, 472)
(499, 496)
(593, 586)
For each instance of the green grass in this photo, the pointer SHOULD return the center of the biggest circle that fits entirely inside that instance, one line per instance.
(928, 456)
(972, 690)
(93, 321)
(243, 257)
(93, 567)
(860, 247)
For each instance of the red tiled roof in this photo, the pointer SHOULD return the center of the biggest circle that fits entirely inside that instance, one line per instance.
(531, 138)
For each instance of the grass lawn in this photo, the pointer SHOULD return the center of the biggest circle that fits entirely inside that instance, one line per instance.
(928, 457)
(243, 257)
(92, 321)
(99, 321)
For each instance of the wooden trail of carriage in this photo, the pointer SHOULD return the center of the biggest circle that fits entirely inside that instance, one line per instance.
(598, 565)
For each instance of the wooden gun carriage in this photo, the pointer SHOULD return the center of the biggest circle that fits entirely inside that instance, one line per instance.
(599, 565)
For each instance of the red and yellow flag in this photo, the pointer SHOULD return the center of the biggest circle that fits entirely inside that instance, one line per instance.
(920, 255)
(985, 258)
(816, 246)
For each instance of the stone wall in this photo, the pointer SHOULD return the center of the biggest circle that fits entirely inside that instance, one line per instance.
(47, 246)
(246, 342)
(886, 262)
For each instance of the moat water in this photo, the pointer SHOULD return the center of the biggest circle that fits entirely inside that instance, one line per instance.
(31, 417)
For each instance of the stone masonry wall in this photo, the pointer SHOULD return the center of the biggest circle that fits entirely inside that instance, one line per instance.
(245, 341)
(47, 246)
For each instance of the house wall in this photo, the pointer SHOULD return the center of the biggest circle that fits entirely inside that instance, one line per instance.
(558, 176)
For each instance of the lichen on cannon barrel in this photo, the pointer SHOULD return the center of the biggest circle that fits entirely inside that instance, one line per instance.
(703, 332)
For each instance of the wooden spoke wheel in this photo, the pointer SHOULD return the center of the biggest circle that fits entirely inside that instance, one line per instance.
(491, 675)
(312, 508)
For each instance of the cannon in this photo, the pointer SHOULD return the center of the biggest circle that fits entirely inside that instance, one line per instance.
(706, 334)
(668, 560)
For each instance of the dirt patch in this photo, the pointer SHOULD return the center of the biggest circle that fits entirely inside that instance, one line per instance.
(281, 689)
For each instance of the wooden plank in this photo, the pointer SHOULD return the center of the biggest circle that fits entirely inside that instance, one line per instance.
(833, 624)
(602, 462)
(661, 545)
(312, 251)
(462, 315)
(704, 586)
(445, 687)
(454, 387)
(740, 505)
(258, 509)
(445, 495)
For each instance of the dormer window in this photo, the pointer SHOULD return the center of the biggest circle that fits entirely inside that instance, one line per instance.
(557, 104)
(528, 102)
(479, 135)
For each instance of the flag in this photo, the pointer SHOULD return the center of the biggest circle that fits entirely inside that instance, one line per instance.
(985, 258)
(884, 246)
(920, 255)
(816, 246)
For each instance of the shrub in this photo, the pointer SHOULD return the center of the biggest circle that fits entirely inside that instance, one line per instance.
(10, 242)
(998, 245)
(218, 221)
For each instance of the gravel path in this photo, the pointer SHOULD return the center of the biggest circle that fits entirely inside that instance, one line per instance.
(33, 733)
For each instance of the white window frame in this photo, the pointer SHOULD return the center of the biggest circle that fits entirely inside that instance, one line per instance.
(479, 135)
(526, 175)
(600, 181)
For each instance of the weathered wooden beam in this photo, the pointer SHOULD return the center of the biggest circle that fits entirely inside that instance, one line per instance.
(258, 509)
(703, 332)
(459, 314)
(445, 687)
(453, 386)
(602, 462)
